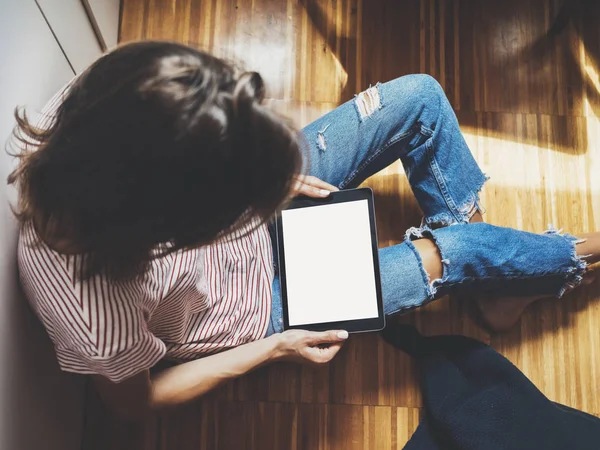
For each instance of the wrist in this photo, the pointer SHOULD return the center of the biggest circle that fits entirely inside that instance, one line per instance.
(277, 352)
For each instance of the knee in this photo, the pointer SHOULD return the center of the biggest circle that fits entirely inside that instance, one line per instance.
(419, 90)
(425, 83)
(420, 85)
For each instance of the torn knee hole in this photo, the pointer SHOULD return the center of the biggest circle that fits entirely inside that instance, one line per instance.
(433, 263)
(431, 258)
(367, 102)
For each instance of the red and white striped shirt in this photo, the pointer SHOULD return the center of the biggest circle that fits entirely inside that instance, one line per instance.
(187, 305)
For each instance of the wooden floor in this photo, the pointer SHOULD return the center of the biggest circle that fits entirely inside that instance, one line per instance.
(530, 110)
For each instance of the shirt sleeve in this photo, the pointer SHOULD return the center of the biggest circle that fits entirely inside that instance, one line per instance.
(97, 326)
(117, 367)
(119, 343)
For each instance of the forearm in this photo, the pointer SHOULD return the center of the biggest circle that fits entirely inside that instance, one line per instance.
(188, 381)
(134, 397)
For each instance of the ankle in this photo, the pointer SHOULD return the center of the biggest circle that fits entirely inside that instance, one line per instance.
(588, 247)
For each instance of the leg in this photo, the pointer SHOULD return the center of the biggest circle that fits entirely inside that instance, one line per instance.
(476, 258)
(480, 258)
(276, 321)
(408, 119)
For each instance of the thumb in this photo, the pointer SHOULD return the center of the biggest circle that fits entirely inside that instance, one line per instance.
(328, 337)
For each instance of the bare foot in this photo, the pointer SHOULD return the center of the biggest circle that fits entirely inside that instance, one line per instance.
(501, 313)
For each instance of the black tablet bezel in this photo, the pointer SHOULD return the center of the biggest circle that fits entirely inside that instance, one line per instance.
(352, 326)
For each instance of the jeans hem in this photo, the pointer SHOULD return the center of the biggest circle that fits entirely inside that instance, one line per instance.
(463, 213)
(574, 275)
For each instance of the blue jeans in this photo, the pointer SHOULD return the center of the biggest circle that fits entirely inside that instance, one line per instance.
(411, 119)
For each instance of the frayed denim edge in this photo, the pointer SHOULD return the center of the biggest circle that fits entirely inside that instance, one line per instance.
(380, 105)
(431, 286)
(574, 275)
(465, 211)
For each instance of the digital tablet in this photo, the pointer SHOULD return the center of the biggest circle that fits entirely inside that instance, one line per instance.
(329, 263)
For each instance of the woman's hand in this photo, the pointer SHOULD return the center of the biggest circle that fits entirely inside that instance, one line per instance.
(312, 187)
(309, 346)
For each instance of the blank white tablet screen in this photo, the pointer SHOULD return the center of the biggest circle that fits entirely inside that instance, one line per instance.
(329, 265)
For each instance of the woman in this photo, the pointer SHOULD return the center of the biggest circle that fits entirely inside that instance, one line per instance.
(143, 206)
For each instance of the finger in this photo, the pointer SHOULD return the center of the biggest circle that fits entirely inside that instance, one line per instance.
(301, 187)
(311, 191)
(327, 337)
(318, 183)
(323, 355)
(298, 183)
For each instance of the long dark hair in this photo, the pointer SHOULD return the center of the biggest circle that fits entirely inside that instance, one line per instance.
(156, 145)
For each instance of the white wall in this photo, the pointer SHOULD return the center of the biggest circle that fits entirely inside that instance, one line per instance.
(41, 406)
(105, 14)
(71, 26)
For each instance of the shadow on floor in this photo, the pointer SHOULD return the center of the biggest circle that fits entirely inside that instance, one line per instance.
(508, 68)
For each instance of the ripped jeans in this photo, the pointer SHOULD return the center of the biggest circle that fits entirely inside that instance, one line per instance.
(411, 119)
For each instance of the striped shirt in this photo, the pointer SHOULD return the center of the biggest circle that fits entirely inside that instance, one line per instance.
(186, 305)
